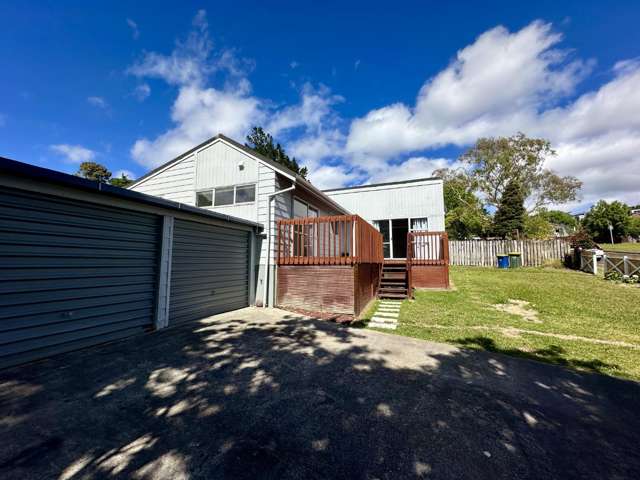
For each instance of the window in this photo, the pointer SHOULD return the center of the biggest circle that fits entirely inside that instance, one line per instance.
(223, 196)
(245, 194)
(220, 197)
(419, 224)
(204, 199)
(299, 209)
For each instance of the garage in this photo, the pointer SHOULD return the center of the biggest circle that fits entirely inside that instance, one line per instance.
(209, 271)
(83, 263)
(72, 274)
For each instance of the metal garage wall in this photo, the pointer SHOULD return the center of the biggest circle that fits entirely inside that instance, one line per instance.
(209, 271)
(72, 274)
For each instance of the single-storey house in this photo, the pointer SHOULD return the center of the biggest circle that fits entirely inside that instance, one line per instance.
(226, 176)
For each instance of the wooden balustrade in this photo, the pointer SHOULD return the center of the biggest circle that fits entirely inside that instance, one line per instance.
(332, 240)
(427, 248)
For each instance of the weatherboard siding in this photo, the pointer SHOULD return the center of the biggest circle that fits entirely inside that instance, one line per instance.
(173, 183)
(401, 200)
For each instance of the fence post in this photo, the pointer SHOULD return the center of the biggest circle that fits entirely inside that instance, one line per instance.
(595, 264)
(625, 260)
(581, 259)
(604, 264)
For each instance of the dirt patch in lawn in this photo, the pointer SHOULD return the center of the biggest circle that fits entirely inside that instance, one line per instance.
(522, 308)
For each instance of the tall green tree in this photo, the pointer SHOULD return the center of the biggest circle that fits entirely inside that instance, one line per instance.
(123, 181)
(262, 142)
(465, 217)
(603, 214)
(509, 220)
(94, 171)
(495, 163)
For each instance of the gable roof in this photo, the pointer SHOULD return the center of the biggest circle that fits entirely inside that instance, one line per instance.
(249, 151)
(278, 167)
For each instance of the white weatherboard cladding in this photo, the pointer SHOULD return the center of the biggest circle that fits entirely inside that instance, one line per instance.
(220, 165)
(174, 183)
(408, 200)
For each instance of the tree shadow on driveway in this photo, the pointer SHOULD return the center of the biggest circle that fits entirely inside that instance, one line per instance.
(252, 394)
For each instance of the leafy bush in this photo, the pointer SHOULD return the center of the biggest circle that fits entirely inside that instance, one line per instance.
(582, 239)
(615, 276)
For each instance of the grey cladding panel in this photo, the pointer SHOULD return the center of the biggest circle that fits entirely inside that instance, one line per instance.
(72, 274)
(209, 272)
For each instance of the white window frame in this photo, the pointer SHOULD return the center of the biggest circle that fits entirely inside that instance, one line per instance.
(235, 187)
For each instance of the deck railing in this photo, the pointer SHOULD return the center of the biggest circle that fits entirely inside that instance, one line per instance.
(334, 240)
(427, 248)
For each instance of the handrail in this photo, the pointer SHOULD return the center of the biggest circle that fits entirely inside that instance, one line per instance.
(427, 248)
(329, 240)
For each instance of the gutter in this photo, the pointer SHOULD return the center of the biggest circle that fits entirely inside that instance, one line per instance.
(270, 197)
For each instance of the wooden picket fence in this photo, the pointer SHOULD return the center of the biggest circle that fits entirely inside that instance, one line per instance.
(483, 253)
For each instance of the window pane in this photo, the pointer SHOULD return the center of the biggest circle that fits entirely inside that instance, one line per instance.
(246, 193)
(203, 199)
(419, 224)
(299, 209)
(383, 227)
(224, 196)
(313, 212)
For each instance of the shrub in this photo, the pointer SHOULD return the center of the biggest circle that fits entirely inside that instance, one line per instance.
(583, 240)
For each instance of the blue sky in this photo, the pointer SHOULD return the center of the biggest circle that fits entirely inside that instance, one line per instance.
(358, 92)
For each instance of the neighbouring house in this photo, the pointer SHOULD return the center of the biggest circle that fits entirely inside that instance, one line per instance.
(635, 212)
(225, 176)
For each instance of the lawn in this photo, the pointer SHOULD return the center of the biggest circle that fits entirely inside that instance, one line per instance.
(571, 318)
(621, 247)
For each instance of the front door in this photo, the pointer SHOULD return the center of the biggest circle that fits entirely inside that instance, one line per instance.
(399, 229)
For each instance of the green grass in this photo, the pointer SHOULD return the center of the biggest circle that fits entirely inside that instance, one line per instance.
(566, 302)
(621, 247)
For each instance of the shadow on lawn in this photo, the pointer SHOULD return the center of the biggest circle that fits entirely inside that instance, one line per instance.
(552, 354)
(309, 399)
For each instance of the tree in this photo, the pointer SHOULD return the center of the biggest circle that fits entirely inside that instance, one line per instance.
(497, 162)
(634, 227)
(465, 216)
(94, 171)
(558, 217)
(510, 216)
(603, 214)
(537, 226)
(263, 143)
(122, 182)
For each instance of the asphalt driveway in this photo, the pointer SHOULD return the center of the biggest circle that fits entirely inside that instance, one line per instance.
(256, 394)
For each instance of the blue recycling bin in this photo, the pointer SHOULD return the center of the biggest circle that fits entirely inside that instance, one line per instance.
(503, 261)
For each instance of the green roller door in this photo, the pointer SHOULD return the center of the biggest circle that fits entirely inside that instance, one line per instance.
(72, 274)
(209, 271)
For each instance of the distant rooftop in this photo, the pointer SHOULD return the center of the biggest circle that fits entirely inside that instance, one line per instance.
(402, 182)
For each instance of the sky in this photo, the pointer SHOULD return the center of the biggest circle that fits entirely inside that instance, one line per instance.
(358, 92)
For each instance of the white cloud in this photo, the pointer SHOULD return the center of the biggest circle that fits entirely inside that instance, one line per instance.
(199, 111)
(198, 114)
(74, 153)
(500, 79)
(98, 102)
(293, 65)
(135, 32)
(142, 92)
(507, 82)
